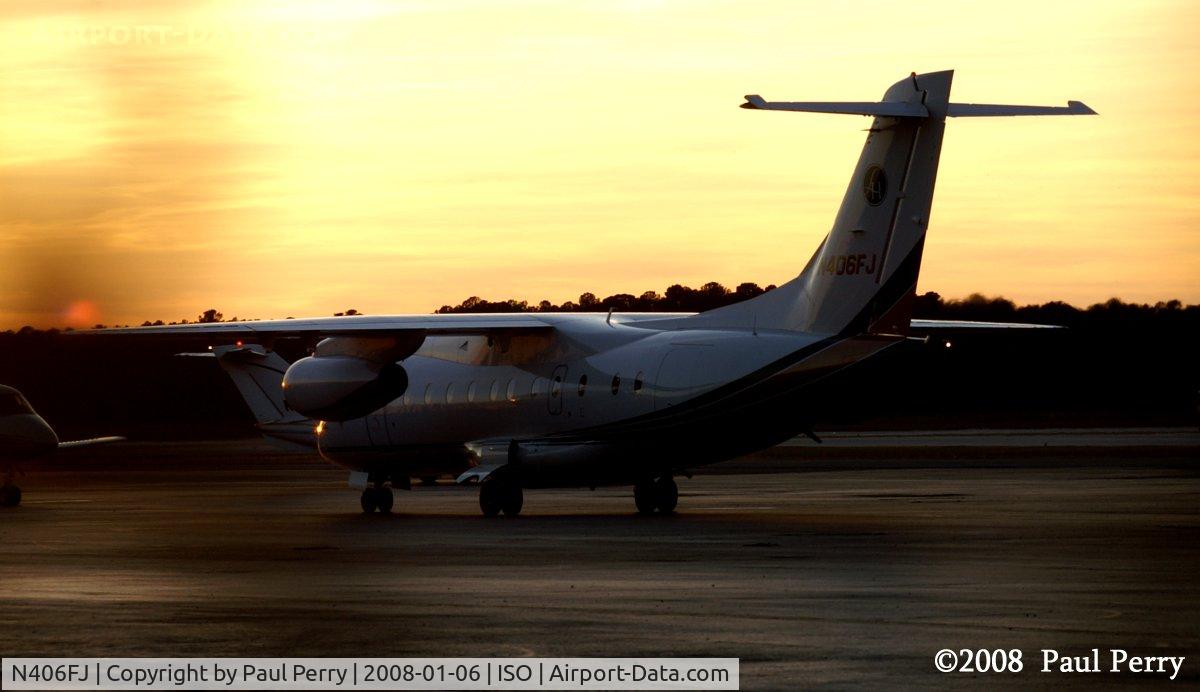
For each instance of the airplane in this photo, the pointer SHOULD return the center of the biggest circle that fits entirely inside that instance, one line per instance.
(538, 400)
(25, 437)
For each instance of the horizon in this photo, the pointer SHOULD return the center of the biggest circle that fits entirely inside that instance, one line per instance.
(296, 159)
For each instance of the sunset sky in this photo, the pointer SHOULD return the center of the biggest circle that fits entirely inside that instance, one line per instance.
(300, 158)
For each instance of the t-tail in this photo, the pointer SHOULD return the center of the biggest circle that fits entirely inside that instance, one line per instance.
(863, 277)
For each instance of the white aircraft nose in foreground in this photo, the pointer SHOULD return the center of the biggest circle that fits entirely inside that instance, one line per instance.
(541, 400)
(25, 436)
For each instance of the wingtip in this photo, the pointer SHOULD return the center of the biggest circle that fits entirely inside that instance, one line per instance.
(1080, 108)
(753, 102)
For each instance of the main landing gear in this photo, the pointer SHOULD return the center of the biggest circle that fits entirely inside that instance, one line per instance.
(657, 494)
(10, 495)
(501, 492)
(377, 497)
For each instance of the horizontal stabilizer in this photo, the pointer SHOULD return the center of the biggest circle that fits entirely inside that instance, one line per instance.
(976, 110)
(891, 109)
(907, 109)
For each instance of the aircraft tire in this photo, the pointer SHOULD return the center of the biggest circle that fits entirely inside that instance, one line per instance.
(644, 497)
(512, 500)
(666, 495)
(368, 501)
(10, 496)
(384, 499)
(491, 497)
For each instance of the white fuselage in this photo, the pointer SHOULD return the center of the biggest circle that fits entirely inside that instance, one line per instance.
(594, 383)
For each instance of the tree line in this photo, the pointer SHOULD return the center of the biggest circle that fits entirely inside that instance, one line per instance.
(929, 305)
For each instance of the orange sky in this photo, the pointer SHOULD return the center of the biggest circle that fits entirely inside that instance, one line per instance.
(300, 158)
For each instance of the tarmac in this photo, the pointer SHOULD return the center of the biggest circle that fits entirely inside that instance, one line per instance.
(843, 565)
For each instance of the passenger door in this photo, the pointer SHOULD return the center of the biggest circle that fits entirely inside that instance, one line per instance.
(377, 428)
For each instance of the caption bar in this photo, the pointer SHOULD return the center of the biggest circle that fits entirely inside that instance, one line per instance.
(370, 673)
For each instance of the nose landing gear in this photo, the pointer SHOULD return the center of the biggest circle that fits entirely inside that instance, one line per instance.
(658, 494)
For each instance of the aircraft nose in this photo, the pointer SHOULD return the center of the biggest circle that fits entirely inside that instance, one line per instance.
(27, 435)
(44, 436)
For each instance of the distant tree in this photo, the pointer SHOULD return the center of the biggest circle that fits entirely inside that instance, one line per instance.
(747, 291)
(711, 295)
(677, 298)
(927, 305)
(209, 316)
(621, 301)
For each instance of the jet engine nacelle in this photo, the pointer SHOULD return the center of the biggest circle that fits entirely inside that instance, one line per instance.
(340, 388)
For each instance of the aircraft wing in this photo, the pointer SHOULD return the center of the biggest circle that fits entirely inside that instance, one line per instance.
(356, 325)
(89, 442)
(964, 325)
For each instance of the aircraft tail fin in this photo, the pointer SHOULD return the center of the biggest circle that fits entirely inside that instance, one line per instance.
(863, 276)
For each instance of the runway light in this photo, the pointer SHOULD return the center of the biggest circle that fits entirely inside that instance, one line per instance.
(948, 344)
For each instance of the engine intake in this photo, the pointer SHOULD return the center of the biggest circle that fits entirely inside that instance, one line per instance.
(340, 388)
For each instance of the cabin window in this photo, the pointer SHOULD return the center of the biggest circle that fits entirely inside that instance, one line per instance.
(616, 383)
(637, 383)
(450, 393)
(511, 392)
(582, 384)
(471, 392)
(494, 394)
(539, 386)
(556, 388)
(429, 394)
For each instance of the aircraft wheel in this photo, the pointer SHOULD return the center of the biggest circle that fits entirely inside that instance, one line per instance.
(10, 496)
(513, 499)
(666, 494)
(644, 497)
(384, 499)
(368, 501)
(491, 497)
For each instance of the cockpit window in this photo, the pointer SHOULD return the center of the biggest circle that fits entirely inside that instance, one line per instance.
(13, 404)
